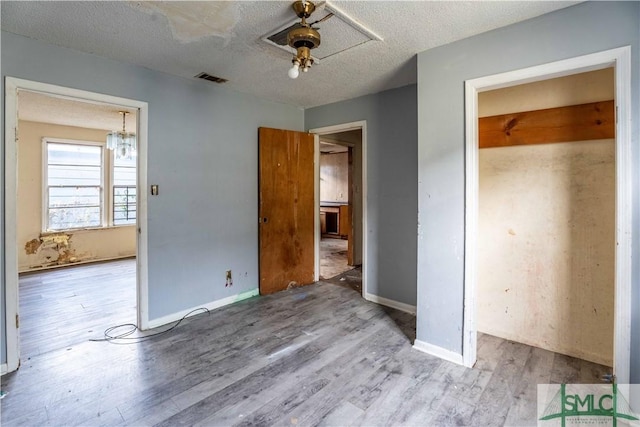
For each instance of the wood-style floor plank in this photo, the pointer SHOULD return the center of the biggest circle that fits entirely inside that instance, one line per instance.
(67, 306)
(317, 355)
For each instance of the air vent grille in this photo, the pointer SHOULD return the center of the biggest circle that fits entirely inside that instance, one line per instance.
(280, 38)
(211, 78)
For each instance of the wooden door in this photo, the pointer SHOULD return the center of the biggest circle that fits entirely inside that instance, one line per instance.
(286, 209)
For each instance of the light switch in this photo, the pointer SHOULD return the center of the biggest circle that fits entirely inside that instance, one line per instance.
(154, 190)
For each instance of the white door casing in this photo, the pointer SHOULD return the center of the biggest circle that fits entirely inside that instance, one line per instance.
(12, 87)
(620, 59)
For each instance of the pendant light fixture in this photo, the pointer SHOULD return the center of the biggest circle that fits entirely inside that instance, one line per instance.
(122, 142)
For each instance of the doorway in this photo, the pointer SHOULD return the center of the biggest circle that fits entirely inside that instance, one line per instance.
(77, 205)
(619, 59)
(546, 218)
(341, 186)
(336, 175)
(111, 204)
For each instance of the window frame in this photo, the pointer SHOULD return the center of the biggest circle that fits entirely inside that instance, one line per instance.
(107, 201)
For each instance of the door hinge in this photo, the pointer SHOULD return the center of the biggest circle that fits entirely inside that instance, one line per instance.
(16, 129)
(616, 114)
(17, 321)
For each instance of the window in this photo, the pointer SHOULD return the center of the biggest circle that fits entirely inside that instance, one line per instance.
(74, 186)
(124, 191)
(75, 196)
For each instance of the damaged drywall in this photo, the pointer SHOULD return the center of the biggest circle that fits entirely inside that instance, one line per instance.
(52, 249)
(32, 246)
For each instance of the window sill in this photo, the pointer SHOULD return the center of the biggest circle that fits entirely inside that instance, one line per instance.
(85, 230)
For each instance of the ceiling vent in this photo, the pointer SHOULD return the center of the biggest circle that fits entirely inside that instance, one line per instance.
(340, 33)
(280, 38)
(211, 78)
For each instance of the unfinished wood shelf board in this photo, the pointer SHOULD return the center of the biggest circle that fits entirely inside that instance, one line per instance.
(582, 122)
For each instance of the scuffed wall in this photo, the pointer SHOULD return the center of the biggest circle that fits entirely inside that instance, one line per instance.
(547, 229)
(334, 177)
(37, 249)
(546, 246)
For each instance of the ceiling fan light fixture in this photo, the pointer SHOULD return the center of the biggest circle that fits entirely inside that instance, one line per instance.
(294, 71)
(303, 8)
(303, 39)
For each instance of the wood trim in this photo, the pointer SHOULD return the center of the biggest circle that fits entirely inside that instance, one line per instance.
(624, 218)
(10, 274)
(582, 122)
(351, 194)
(472, 192)
(344, 221)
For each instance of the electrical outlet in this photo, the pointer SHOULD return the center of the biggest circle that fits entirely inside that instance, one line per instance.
(229, 281)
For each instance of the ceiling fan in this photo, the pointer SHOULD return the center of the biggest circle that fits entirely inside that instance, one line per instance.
(303, 37)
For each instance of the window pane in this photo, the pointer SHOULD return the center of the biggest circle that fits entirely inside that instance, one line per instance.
(74, 175)
(74, 196)
(124, 176)
(74, 154)
(129, 163)
(124, 205)
(72, 217)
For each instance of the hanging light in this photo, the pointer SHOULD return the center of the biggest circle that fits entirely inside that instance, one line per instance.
(303, 38)
(123, 143)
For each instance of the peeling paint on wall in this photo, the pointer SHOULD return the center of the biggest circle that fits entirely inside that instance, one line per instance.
(192, 21)
(32, 246)
(59, 240)
(66, 256)
(53, 249)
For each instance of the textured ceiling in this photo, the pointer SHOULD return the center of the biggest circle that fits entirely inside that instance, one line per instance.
(224, 39)
(37, 107)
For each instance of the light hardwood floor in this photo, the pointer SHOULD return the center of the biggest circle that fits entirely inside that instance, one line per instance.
(317, 355)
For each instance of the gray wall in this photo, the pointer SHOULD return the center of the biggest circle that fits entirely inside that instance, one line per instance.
(203, 155)
(578, 30)
(392, 176)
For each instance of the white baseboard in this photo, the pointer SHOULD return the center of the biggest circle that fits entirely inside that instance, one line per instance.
(3, 369)
(174, 317)
(391, 303)
(437, 351)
